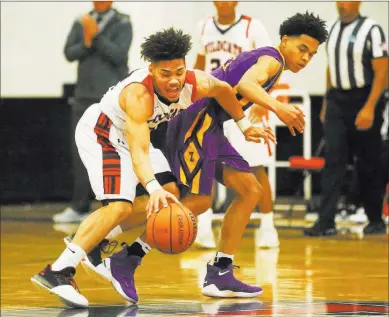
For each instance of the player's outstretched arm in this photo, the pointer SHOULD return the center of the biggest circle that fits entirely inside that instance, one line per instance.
(250, 87)
(137, 102)
(211, 87)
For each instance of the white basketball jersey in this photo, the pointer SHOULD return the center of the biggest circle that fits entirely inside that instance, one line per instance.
(221, 42)
(162, 112)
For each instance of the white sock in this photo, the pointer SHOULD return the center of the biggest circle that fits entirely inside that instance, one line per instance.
(267, 220)
(224, 255)
(205, 220)
(71, 256)
(145, 247)
(114, 232)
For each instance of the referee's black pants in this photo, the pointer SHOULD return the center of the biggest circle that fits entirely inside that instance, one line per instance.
(341, 136)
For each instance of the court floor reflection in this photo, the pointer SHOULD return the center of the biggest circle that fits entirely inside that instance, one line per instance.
(305, 277)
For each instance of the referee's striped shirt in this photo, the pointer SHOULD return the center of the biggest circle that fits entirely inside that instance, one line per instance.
(350, 49)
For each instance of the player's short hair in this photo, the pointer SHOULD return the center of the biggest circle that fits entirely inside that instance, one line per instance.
(166, 45)
(306, 23)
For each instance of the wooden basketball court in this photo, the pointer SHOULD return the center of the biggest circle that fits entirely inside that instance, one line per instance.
(337, 276)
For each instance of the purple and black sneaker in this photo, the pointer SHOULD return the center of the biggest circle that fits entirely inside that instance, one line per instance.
(222, 283)
(122, 267)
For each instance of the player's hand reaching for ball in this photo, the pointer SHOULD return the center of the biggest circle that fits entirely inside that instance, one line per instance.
(255, 134)
(159, 199)
(292, 116)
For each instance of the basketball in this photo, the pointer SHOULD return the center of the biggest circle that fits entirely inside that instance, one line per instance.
(172, 230)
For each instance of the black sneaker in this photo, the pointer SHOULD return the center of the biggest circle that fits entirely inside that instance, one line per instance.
(319, 229)
(375, 228)
(62, 284)
(93, 262)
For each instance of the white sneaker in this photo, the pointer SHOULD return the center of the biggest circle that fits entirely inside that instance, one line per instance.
(267, 238)
(341, 216)
(358, 217)
(205, 238)
(69, 215)
(311, 216)
(62, 284)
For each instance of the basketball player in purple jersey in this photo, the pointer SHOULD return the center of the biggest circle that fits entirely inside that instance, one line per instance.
(205, 154)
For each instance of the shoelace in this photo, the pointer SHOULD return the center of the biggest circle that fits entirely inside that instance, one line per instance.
(108, 246)
(234, 266)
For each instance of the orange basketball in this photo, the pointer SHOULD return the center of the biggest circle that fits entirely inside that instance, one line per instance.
(171, 230)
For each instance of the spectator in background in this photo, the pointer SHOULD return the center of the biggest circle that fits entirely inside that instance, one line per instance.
(100, 41)
(222, 37)
(356, 77)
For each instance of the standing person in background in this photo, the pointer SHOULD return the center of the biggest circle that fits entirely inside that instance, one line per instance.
(100, 41)
(222, 37)
(356, 77)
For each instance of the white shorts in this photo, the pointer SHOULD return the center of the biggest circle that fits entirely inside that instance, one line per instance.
(256, 154)
(104, 151)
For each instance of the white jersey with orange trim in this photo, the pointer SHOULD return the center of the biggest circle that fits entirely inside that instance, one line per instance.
(102, 143)
(221, 42)
(162, 112)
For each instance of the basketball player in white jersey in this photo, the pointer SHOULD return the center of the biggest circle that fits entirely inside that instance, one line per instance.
(222, 37)
(114, 142)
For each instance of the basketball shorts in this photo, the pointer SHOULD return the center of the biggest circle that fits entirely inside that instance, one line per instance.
(197, 149)
(104, 151)
(256, 154)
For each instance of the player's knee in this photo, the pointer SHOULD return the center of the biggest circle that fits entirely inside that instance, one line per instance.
(256, 191)
(248, 187)
(198, 204)
(121, 209)
(173, 189)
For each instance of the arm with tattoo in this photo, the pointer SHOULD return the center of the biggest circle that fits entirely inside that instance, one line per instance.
(211, 87)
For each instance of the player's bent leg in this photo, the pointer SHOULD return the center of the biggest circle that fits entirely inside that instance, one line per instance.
(248, 192)
(220, 280)
(98, 224)
(266, 235)
(93, 262)
(58, 278)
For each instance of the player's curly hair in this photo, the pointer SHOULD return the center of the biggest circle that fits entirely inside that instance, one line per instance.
(166, 45)
(306, 23)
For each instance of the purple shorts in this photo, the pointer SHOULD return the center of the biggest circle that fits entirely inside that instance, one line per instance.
(196, 147)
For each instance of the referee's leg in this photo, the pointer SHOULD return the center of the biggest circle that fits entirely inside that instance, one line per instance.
(336, 153)
(368, 148)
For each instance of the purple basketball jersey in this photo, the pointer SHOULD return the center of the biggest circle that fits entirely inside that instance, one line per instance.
(196, 146)
(234, 68)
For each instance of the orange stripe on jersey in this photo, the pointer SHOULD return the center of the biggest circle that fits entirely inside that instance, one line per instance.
(111, 159)
(149, 85)
(249, 19)
(191, 79)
